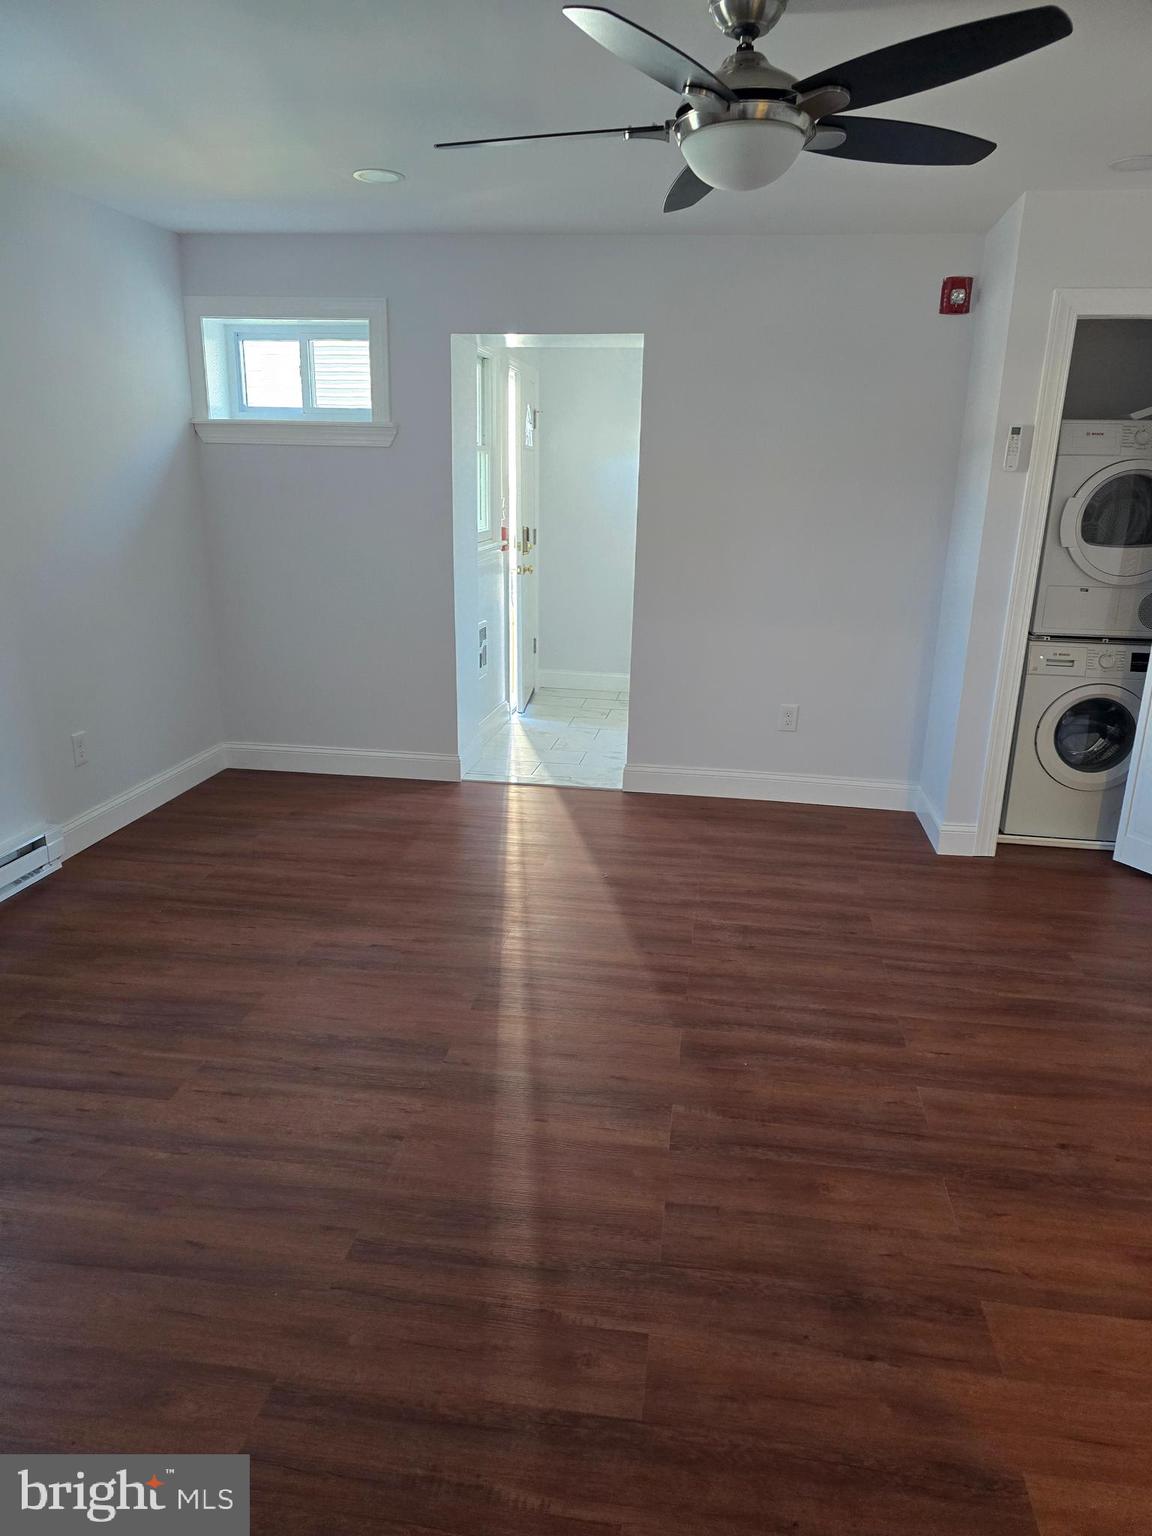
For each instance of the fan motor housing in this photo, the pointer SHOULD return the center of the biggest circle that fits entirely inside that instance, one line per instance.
(747, 71)
(691, 121)
(746, 19)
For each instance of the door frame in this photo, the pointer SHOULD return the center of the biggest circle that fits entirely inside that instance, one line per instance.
(508, 531)
(1069, 307)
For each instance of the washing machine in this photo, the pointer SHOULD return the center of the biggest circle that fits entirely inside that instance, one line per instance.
(1074, 737)
(1096, 569)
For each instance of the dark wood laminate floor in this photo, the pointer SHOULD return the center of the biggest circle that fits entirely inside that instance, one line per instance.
(496, 1161)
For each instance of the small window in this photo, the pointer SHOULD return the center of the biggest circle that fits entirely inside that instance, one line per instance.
(289, 370)
(294, 370)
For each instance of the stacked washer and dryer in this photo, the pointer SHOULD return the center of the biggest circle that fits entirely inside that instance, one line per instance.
(1091, 636)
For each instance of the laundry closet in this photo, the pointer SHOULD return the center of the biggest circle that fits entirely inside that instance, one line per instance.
(1086, 662)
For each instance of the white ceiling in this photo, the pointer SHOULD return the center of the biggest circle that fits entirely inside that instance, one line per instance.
(251, 114)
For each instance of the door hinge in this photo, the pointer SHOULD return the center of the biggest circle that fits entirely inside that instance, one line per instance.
(533, 645)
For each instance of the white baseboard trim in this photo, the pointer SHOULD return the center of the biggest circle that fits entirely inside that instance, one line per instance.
(278, 757)
(595, 682)
(738, 784)
(72, 837)
(954, 839)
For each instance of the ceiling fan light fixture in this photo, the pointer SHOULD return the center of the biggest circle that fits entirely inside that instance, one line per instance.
(742, 126)
(377, 174)
(741, 154)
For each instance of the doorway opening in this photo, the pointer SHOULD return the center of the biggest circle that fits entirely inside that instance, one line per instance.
(1083, 597)
(546, 446)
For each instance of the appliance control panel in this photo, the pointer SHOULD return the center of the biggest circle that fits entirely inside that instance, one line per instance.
(1116, 659)
(1107, 438)
(1110, 660)
(1072, 660)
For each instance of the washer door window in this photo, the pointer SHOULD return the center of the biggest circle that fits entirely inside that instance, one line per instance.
(1107, 525)
(1084, 740)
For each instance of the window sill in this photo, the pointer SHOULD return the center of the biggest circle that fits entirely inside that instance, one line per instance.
(347, 434)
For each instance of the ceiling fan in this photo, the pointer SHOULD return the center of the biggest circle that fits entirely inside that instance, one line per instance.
(743, 125)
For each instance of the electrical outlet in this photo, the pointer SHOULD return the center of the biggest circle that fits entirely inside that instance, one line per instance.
(789, 717)
(79, 748)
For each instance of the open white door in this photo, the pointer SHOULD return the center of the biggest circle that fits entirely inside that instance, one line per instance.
(1134, 839)
(523, 499)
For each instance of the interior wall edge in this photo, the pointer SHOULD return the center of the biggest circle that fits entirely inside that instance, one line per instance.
(119, 811)
(71, 837)
(972, 472)
(953, 839)
(497, 716)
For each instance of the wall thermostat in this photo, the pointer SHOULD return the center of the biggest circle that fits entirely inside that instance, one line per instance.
(1017, 449)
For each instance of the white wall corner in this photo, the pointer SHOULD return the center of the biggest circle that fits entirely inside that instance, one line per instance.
(800, 789)
(279, 757)
(951, 838)
(72, 837)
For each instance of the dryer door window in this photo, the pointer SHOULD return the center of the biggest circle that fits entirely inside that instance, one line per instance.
(1119, 514)
(1107, 525)
(1085, 739)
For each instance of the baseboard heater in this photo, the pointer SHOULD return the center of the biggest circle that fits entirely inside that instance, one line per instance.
(24, 863)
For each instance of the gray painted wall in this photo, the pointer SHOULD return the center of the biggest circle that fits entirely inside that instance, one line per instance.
(106, 616)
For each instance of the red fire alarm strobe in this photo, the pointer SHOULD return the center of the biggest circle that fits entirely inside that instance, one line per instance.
(956, 296)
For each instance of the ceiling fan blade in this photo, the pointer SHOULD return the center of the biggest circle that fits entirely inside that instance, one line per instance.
(651, 131)
(686, 191)
(891, 143)
(650, 54)
(941, 57)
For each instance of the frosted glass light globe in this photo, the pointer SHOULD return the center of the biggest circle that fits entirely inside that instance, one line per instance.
(742, 153)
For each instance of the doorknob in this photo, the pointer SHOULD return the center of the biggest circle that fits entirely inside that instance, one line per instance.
(525, 570)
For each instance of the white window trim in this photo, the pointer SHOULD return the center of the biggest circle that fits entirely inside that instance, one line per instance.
(489, 538)
(380, 432)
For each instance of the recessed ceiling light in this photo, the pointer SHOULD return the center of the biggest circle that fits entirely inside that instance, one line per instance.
(375, 173)
(1133, 163)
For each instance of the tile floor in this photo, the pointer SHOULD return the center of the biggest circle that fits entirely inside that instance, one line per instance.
(565, 736)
